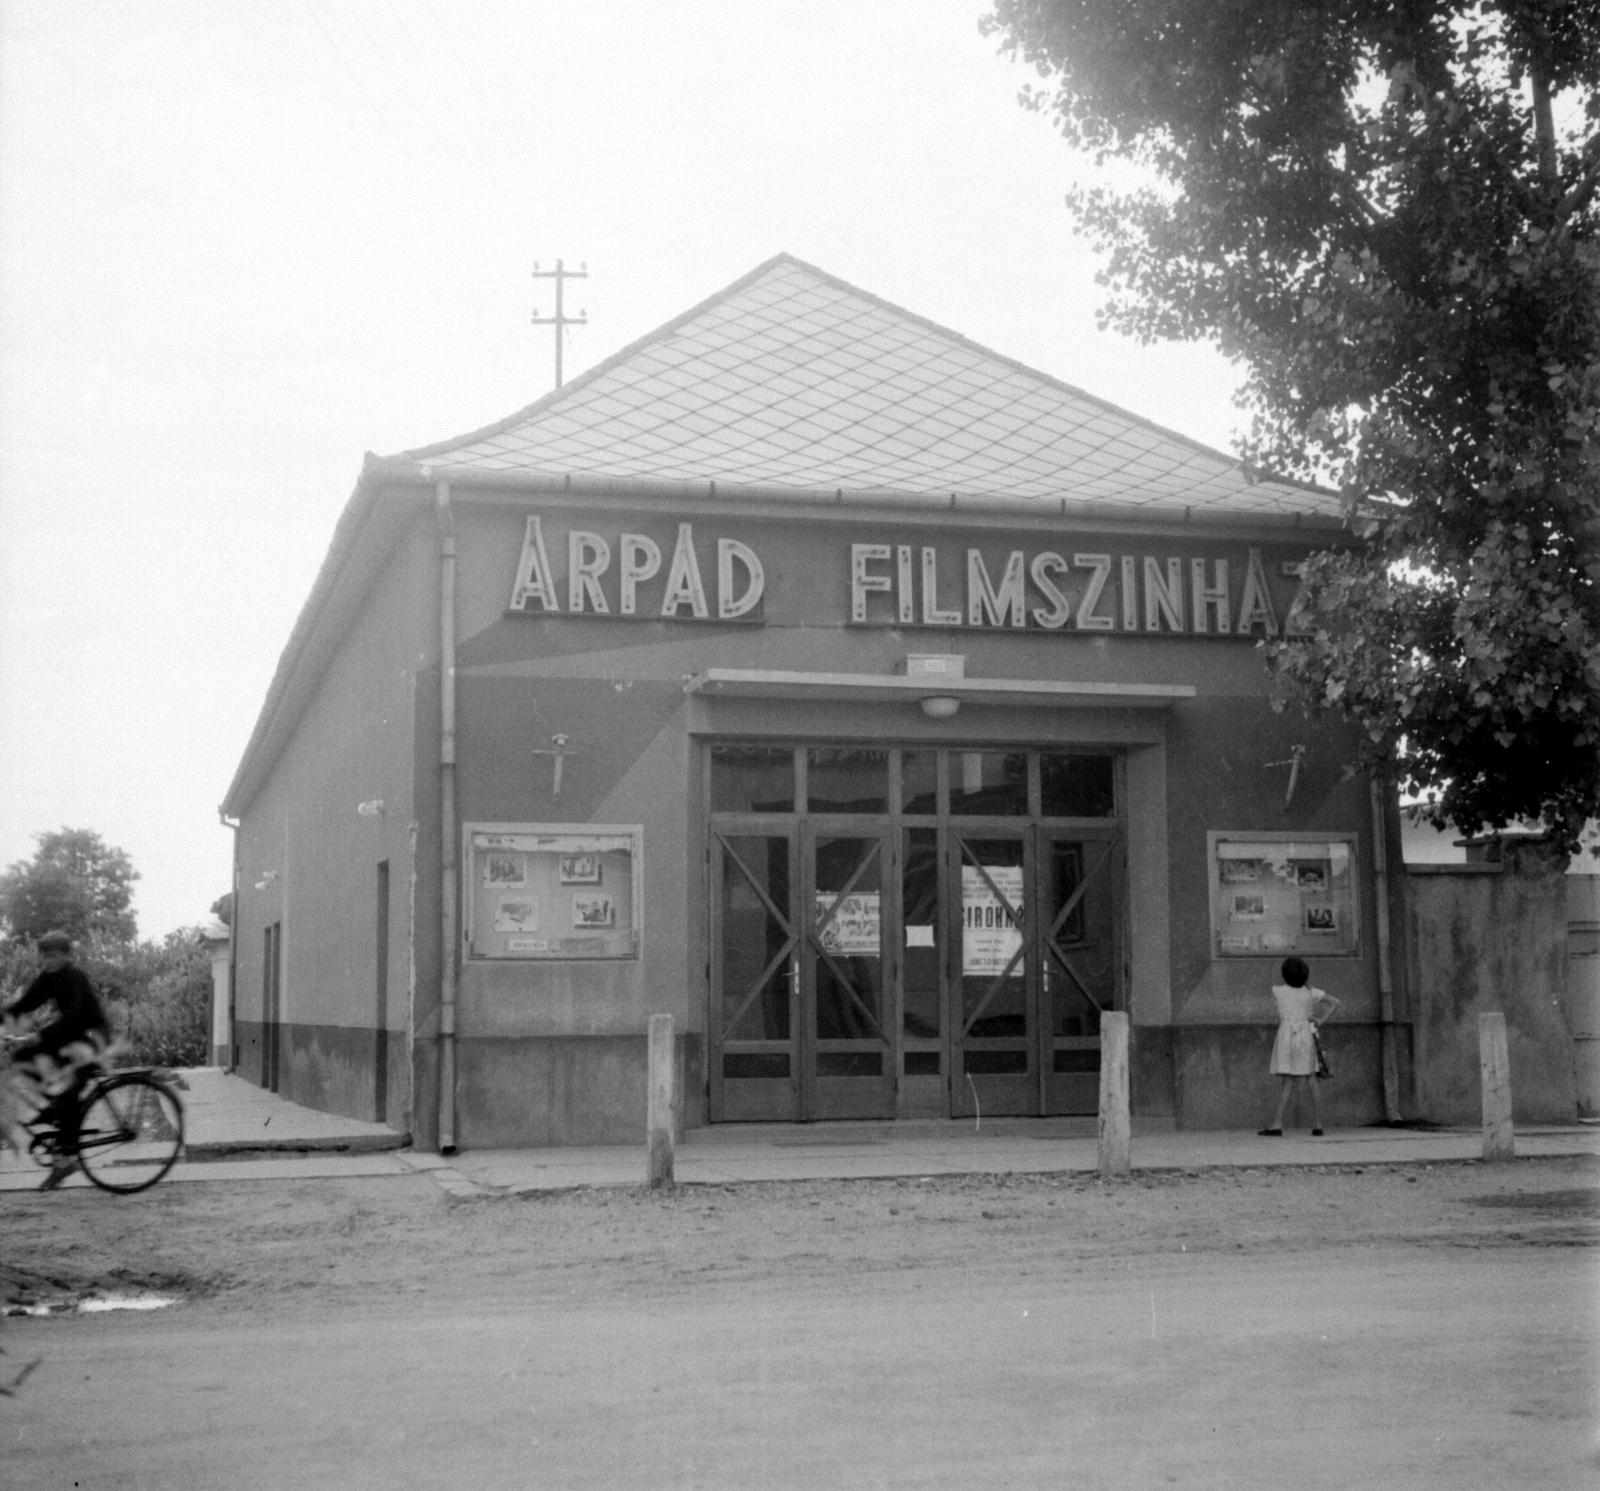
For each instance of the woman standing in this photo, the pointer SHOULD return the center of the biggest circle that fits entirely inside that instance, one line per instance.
(1294, 1053)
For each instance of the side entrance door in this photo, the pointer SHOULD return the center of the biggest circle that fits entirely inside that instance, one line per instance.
(802, 972)
(1080, 959)
(1037, 960)
(848, 973)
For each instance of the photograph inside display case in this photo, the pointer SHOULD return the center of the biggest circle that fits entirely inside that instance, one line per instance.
(1274, 896)
(552, 891)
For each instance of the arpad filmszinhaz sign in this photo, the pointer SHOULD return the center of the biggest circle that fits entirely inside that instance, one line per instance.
(1055, 589)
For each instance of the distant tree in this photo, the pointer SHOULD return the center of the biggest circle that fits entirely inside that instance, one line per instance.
(75, 883)
(157, 993)
(158, 997)
(1388, 212)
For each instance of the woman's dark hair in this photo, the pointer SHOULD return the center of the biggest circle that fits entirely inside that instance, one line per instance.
(1295, 972)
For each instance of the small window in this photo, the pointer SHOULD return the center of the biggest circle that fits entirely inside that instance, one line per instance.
(919, 782)
(845, 779)
(989, 784)
(1077, 787)
(752, 779)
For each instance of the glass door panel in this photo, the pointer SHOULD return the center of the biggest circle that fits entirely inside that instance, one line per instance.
(997, 1070)
(848, 1046)
(755, 966)
(1080, 961)
(923, 1087)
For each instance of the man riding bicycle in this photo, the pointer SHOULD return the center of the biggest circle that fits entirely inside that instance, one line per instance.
(62, 1052)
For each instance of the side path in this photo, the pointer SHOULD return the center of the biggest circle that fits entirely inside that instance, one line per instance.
(237, 1131)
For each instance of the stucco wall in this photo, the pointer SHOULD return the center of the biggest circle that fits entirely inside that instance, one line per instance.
(614, 687)
(315, 858)
(1481, 939)
(553, 1052)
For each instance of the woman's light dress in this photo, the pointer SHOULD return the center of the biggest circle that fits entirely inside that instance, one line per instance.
(1292, 1052)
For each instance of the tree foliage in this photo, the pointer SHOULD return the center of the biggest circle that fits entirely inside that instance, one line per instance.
(1388, 212)
(75, 883)
(157, 994)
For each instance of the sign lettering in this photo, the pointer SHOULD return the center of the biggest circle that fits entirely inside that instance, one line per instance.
(640, 576)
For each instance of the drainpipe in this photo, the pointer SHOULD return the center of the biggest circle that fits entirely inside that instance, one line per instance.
(233, 941)
(449, 933)
(1380, 876)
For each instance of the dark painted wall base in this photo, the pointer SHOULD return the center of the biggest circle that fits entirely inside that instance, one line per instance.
(1223, 1081)
(332, 1068)
(1151, 1058)
(515, 1094)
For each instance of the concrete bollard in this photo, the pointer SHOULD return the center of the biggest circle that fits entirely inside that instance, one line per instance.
(1494, 1062)
(658, 1118)
(1115, 1129)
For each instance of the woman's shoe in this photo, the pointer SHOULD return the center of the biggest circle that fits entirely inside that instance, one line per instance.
(1274, 1133)
(1316, 1133)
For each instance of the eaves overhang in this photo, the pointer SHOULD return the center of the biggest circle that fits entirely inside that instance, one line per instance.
(837, 503)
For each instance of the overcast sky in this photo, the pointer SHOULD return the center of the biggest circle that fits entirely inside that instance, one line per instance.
(243, 243)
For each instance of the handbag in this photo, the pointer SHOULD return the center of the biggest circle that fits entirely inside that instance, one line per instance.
(1323, 1069)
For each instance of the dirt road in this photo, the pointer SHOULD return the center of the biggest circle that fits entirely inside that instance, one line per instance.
(1430, 1326)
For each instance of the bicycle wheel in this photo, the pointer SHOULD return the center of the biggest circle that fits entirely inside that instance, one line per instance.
(130, 1132)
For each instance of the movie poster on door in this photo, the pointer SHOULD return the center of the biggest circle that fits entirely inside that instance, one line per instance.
(850, 925)
(990, 937)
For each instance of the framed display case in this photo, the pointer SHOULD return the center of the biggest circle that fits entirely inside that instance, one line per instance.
(1273, 894)
(552, 890)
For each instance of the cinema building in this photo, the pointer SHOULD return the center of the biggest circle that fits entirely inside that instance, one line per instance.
(883, 710)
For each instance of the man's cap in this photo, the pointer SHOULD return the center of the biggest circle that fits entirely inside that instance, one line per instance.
(55, 942)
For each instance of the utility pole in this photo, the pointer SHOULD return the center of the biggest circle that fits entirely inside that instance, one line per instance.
(560, 274)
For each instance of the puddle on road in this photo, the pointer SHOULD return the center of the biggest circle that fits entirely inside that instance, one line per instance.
(1585, 1200)
(91, 1304)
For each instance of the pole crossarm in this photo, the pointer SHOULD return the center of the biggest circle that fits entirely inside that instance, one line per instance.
(560, 274)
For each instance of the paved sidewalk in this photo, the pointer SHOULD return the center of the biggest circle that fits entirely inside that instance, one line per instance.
(234, 1130)
(237, 1131)
(865, 1151)
(226, 1115)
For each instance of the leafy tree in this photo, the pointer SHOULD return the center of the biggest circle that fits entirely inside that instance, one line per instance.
(75, 883)
(157, 993)
(158, 998)
(1387, 211)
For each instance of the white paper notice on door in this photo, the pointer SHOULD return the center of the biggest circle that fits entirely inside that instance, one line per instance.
(990, 936)
(852, 929)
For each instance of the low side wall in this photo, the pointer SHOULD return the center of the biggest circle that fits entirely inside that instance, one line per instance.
(1484, 938)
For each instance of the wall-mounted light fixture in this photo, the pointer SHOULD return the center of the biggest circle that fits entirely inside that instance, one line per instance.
(937, 666)
(559, 749)
(1296, 756)
(371, 808)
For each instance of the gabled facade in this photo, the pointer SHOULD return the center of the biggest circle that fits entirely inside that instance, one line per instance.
(883, 710)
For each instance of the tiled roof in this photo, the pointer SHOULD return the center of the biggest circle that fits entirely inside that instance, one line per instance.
(791, 378)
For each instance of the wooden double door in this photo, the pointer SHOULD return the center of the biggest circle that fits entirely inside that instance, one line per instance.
(871, 968)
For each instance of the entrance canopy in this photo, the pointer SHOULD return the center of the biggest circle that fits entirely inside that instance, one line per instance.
(887, 688)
